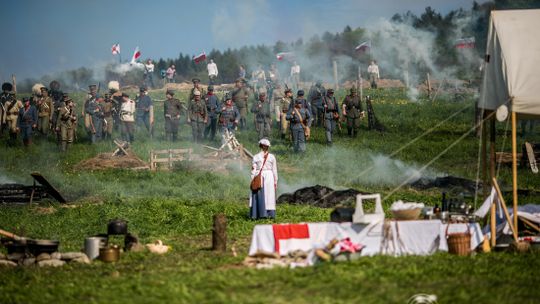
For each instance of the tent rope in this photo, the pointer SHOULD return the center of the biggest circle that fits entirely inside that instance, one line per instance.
(409, 179)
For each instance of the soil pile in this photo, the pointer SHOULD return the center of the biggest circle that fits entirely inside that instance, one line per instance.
(320, 196)
(108, 161)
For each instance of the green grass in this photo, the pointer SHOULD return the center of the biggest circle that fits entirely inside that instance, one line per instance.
(177, 207)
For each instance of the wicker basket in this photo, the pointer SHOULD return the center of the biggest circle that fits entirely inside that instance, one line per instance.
(459, 243)
(407, 215)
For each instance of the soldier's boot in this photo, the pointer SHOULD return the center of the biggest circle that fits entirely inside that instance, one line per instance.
(328, 138)
(174, 137)
(63, 146)
(350, 131)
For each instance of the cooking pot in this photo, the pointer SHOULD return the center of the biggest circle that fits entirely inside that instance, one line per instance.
(109, 254)
(13, 246)
(117, 227)
(92, 246)
(36, 247)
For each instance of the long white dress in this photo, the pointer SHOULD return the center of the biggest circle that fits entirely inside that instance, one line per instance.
(269, 178)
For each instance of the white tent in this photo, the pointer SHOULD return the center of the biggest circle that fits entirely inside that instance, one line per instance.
(511, 77)
(512, 67)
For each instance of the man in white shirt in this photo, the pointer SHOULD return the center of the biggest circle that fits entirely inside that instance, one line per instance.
(295, 75)
(212, 71)
(148, 73)
(127, 117)
(373, 71)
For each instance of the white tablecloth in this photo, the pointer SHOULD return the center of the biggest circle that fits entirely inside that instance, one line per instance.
(403, 237)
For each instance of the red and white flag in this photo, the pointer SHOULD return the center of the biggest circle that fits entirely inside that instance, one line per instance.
(363, 47)
(115, 49)
(465, 43)
(285, 55)
(199, 58)
(136, 55)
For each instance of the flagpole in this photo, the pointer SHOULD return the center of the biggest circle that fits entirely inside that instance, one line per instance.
(120, 58)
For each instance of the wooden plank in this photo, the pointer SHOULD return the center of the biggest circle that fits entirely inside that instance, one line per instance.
(503, 205)
(172, 150)
(50, 189)
(167, 160)
(532, 158)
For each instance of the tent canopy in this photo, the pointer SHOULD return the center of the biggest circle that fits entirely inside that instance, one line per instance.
(512, 67)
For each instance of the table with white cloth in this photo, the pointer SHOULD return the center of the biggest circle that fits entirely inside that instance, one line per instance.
(390, 237)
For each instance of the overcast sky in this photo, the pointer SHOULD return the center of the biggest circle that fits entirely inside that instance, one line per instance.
(55, 35)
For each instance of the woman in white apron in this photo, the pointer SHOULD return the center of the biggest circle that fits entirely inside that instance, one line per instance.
(262, 202)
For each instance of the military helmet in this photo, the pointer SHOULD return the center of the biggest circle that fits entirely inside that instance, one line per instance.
(170, 92)
(330, 91)
(195, 80)
(142, 89)
(353, 90)
(54, 85)
(6, 86)
(300, 93)
(228, 96)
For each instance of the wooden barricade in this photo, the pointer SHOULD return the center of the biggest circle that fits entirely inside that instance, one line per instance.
(168, 157)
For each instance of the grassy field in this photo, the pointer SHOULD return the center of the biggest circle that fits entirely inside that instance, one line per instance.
(177, 207)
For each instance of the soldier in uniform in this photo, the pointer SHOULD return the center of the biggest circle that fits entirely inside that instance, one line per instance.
(197, 116)
(277, 96)
(229, 116)
(240, 99)
(263, 116)
(4, 97)
(196, 87)
(92, 97)
(45, 111)
(58, 97)
(212, 106)
(305, 103)
(94, 110)
(145, 110)
(172, 109)
(127, 117)
(66, 124)
(284, 106)
(331, 114)
(108, 120)
(13, 106)
(352, 110)
(27, 121)
(316, 94)
(300, 118)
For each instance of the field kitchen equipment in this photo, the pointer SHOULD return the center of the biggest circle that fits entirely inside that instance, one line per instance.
(35, 247)
(93, 244)
(109, 254)
(18, 193)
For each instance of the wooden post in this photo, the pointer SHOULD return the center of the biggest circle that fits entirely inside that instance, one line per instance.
(219, 233)
(170, 159)
(335, 75)
(428, 87)
(493, 211)
(514, 168)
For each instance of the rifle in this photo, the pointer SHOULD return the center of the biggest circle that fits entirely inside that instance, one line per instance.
(14, 81)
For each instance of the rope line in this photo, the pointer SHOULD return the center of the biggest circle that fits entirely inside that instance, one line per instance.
(407, 181)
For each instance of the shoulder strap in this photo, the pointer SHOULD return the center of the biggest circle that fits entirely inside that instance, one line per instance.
(264, 162)
(300, 116)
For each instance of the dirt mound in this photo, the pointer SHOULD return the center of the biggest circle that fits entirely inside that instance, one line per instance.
(320, 196)
(108, 161)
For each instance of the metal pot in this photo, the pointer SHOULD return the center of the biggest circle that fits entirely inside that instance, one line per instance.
(117, 227)
(109, 254)
(37, 247)
(92, 246)
(13, 246)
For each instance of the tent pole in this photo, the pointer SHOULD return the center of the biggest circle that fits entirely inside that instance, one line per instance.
(514, 169)
(493, 213)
